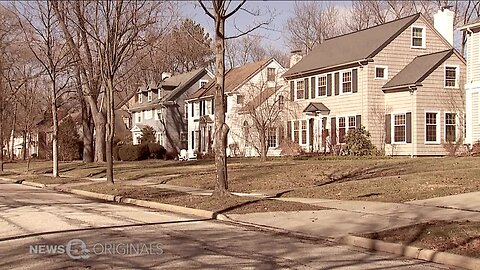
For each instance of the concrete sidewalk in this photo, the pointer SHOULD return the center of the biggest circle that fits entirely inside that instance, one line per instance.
(355, 217)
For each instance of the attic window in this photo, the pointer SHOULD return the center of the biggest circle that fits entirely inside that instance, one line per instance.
(381, 72)
(271, 74)
(203, 83)
(240, 99)
(451, 76)
(418, 37)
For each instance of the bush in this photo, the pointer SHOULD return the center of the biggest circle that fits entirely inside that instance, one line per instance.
(115, 151)
(133, 152)
(148, 135)
(290, 148)
(357, 143)
(69, 143)
(156, 151)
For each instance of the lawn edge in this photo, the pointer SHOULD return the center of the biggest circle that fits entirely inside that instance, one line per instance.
(428, 255)
(424, 254)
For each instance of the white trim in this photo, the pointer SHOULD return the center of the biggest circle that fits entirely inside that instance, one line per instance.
(340, 79)
(437, 141)
(424, 37)
(317, 84)
(201, 81)
(457, 73)
(445, 125)
(385, 72)
(140, 97)
(392, 126)
(296, 89)
(149, 95)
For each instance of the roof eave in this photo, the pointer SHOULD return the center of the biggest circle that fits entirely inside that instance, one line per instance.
(319, 70)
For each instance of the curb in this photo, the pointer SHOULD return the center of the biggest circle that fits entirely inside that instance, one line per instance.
(413, 252)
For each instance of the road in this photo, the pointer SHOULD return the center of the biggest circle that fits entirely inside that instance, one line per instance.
(36, 225)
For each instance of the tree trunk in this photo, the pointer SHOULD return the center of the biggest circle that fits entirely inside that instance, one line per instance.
(110, 129)
(87, 130)
(99, 121)
(24, 145)
(263, 146)
(29, 136)
(221, 128)
(13, 132)
(55, 131)
(1, 138)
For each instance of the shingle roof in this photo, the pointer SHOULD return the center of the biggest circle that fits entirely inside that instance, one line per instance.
(417, 70)
(234, 78)
(259, 99)
(356, 46)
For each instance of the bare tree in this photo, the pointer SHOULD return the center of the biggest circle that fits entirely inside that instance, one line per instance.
(311, 23)
(220, 11)
(246, 49)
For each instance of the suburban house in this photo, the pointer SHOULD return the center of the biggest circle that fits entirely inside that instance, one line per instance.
(254, 95)
(162, 107)
(472, 84)
(401, 80)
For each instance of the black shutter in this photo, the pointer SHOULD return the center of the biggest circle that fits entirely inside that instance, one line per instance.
(306, 84)
(213, 106)
(358, 121)
(324, 130)
(354, 80)
(292, 90)
(337, 83)
(333, 131)
(289, 130)
(193, 109)
(408, 127)
(388, 128)
(329, 84)
(312, 87)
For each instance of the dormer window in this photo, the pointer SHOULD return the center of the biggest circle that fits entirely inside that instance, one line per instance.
(418, 37)
(140, 97)
(149, 97)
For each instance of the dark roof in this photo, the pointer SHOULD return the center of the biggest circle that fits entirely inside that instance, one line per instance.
(205, 119)
(417, 70)
(348, 48)
(316, 107)
(234, 78)
(180, 82)
(260, 99)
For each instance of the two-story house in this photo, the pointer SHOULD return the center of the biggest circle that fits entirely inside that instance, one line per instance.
(472, 84)
(162, 107)
(249, 91)
(401, 80)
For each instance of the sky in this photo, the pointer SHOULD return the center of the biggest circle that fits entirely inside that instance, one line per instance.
(274, 36)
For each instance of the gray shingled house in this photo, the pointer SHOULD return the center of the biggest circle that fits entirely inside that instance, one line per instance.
(402, 80)
(162, 107)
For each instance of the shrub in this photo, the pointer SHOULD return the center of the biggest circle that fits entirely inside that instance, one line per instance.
(290, 148)
(148, 135)
(133, 152)
(357, 143)
(69, 144)
(156, 151)
(475, 149)
(115, 151)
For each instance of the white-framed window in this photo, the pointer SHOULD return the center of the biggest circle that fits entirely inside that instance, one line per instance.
(149, 95)
(347, 81)
(300, 89)
(342, 129)
(432, 127)
(399, 128)
(304, 131)
(322, 86)
(352, 122)
(138, 117)
(418, 37)
(381, 72)
(296, 131)
(148, 114)
(202, 83)
(272, 137)
(271, 74)
(450, 127)
(451, 76)
(196, 109)
(140, 97)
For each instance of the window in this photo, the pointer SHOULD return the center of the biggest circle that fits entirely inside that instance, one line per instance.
(156, 116)
(347, 82)
(296, 137)
(450, 127)
(322, 86)
(341, 129)
(240, 99)
(451, 76)
(196, 108)
(149, 96)
(431, 125)
(139, 117)
(272, 137)
(304, 131)
(399, 128)
(202, 83)
(352, 123)
(381, 72)
(140, 96)
(148, 114)
(271, 74)
(300, 89)
(281, 102)
(418, 37)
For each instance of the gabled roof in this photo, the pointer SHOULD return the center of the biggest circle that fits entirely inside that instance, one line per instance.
(234, 78)
(417, 70)
(259, 99)
(473, 25)
(317, 107)
(180, 83)
(357, 46)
